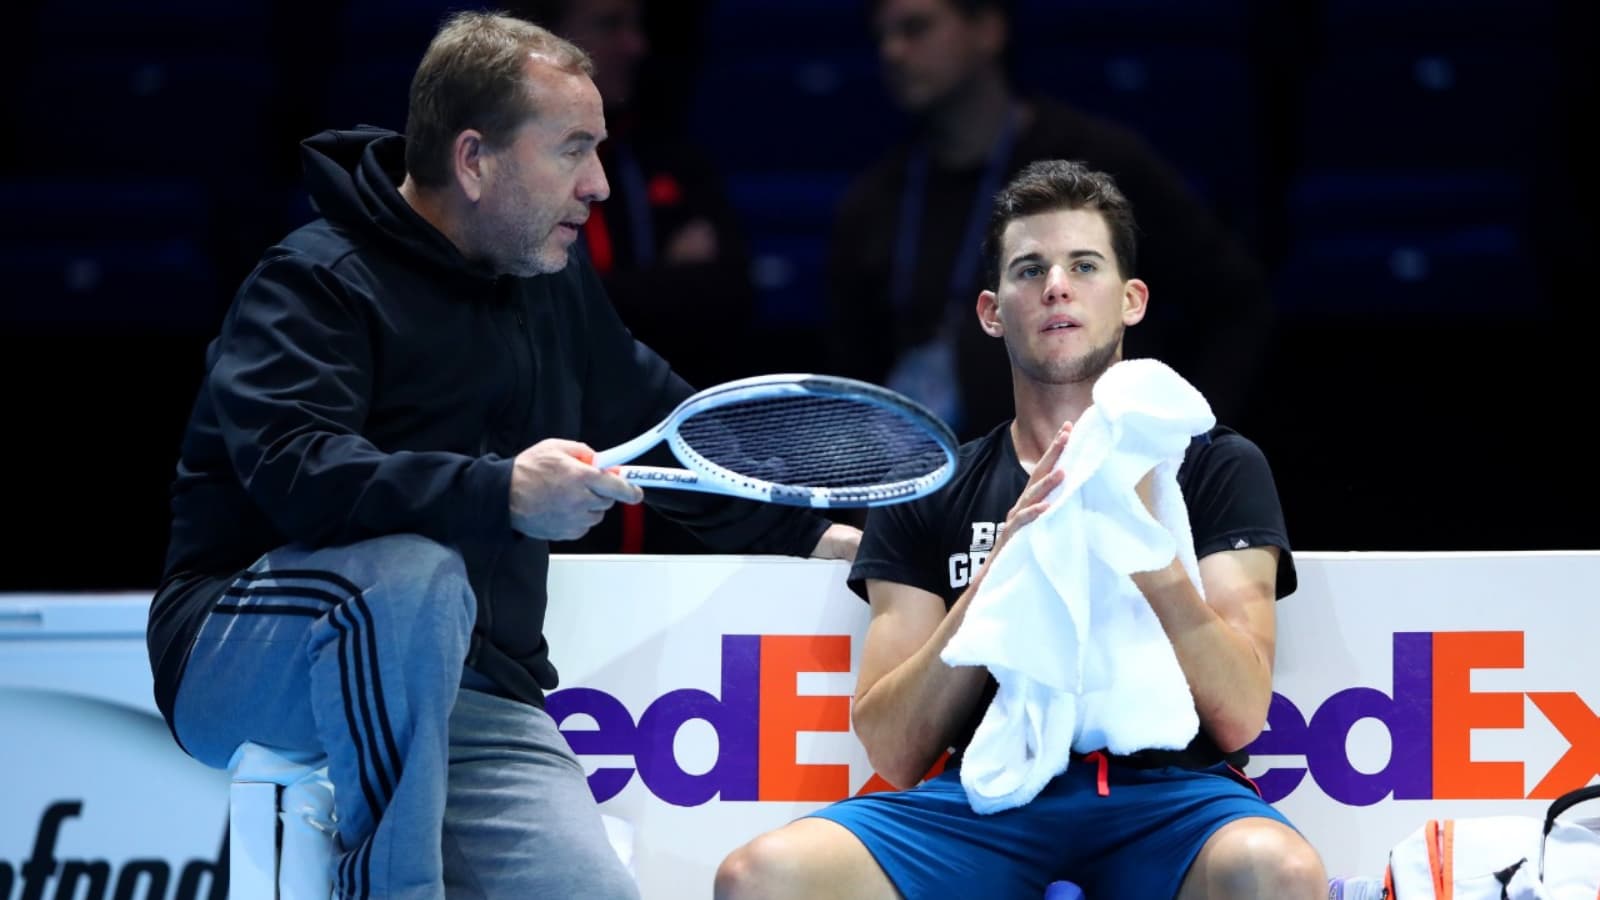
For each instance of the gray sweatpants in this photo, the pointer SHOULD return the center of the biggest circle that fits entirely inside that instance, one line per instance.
(441, 790)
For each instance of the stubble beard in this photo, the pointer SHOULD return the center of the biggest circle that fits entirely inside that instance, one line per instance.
(513, 236)
(516, 250)
(1075, 370)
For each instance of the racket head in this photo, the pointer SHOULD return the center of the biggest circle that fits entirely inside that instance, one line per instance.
(813, 440)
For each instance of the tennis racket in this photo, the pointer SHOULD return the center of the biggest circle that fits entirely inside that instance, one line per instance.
(799, 440)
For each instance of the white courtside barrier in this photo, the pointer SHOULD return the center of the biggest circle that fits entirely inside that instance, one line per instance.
(708, 698)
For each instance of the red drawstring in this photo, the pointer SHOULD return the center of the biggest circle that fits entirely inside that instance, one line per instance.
(1102, 781)
(1245, 778)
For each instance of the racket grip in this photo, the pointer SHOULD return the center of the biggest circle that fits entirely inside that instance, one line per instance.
(621, 453)
(588, 456)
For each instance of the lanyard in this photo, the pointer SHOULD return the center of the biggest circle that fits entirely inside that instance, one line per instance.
(912, 200)
(637, 195)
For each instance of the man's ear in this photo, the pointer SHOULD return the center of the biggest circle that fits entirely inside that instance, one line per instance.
(989, 314)
(468, 160)
(1135, 298)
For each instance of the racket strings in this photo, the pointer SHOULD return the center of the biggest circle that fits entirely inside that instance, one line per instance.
(814, 441)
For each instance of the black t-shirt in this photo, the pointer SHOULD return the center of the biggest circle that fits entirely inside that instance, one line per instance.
(937, 542)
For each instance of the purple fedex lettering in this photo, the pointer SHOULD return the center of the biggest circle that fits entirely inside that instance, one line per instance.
(1408, 716)
(1285, 735)
(734, 719)
(614, 734)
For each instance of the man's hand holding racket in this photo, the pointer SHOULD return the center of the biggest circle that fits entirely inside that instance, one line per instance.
(558, 495)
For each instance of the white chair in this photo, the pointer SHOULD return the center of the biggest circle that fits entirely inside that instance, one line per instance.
(282, 837)
(282, 834)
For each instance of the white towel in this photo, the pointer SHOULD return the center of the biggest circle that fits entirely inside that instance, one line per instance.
(1081, 660)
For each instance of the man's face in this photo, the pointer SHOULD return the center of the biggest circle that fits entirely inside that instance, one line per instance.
(610, 32)
(536, 191)
(1062, 304)
(928, 48)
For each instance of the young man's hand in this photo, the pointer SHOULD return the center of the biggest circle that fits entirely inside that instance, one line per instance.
(838, 542)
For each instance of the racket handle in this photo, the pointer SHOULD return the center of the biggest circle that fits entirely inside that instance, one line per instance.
(621, 453)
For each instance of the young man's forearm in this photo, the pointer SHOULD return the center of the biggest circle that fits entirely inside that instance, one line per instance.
(1230, 680)
(911, 714)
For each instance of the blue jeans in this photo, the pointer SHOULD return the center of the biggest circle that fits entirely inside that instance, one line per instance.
(442, 789)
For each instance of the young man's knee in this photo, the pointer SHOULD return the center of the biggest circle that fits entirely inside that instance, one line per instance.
(1273, 862)
(758, 870)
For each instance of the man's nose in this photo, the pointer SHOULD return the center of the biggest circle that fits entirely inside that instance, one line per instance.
(592, 186)
(1055, 285)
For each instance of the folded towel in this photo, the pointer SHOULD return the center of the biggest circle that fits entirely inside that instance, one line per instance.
(1081, 661)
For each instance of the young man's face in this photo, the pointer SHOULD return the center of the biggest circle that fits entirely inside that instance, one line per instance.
(929, 48)
(536, 191)
(1062, 303)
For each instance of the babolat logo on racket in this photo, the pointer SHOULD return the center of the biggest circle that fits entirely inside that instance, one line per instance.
(654, 476)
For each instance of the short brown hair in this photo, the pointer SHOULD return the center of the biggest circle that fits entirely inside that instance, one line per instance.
(473, 77)
(1055, 184)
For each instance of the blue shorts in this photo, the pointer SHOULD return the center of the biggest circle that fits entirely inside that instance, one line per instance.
(1136, 841)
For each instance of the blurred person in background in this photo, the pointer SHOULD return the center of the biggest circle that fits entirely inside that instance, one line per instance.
(903, 262)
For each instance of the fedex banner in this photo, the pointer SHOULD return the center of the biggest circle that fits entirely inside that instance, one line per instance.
(709, 700)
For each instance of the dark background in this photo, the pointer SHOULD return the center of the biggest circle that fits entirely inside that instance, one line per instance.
(1410, 173)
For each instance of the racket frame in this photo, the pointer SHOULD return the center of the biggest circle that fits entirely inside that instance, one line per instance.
(701, 474)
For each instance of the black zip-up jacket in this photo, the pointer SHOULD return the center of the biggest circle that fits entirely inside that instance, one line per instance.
(369, 380)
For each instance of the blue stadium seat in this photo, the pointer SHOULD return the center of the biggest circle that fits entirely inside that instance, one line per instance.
(1446, 245)
(371, 91)
(152, 114)
(1485, 22)
(1323, 204)
(757, 27)
(1214, 23)
(773, 201)
(110, 287)
(788, 218)
(1438, 107)
(1387, 276)
(102, 256)
(798, 110)
(65, 210)
(232, 28)
(789, 271)
(1195, 105)
(392, 29)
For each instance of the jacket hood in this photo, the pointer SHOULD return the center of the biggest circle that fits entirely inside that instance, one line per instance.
(354, 180)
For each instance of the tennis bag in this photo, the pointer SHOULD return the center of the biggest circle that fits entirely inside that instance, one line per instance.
(1500, 857)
